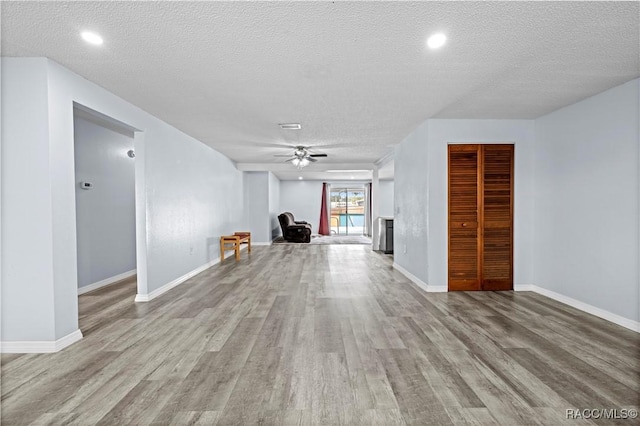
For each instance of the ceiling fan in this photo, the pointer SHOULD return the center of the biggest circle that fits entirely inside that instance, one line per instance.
(301, 156)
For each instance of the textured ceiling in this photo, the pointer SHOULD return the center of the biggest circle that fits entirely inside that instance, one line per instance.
(357, 75)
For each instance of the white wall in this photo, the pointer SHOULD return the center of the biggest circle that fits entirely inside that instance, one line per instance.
(586, 208)
(420, 225)
(27, 239)
(262, 203)
(274, 206)
(411, 220)
(303, 199)
(191, 195)
(518, 132)
(386, 198)
(105, 214)
(257, 206)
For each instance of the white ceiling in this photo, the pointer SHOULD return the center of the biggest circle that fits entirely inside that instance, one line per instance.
(356, 75)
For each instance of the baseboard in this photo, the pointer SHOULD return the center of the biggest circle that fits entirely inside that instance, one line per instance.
(523, 287)
(426, 287)
(178, 281)
(37, 347)
(438, 289)
(155, 293)
(106, 282)
(267, 243)
(585, 307)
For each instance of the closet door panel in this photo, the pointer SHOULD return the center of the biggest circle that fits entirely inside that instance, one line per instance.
(464, 249)
(497, 235)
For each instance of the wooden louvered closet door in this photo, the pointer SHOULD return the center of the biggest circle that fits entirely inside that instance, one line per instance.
(480, 217)
(464, 218)
(497, 217)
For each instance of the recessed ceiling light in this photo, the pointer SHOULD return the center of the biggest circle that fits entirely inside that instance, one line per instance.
(352, 177)
(290, 126)
(299, 177)
(436, 40)
(92, 38)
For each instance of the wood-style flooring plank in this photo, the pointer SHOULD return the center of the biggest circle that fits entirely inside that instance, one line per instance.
(322, 335)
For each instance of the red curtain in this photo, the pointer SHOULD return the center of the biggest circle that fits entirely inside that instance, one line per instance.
(323, 229)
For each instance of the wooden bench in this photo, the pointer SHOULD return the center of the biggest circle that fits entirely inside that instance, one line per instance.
(233, 242)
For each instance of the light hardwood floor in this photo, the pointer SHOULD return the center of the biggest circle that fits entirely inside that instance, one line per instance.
(316, 334)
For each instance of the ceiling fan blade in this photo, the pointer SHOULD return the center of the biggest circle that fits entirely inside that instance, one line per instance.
(313, 160)
(317, 155)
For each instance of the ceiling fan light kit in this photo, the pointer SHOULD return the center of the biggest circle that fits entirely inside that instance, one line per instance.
(302, 156)
(300, 162)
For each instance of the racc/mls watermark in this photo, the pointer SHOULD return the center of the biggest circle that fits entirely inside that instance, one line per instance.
(601, 413)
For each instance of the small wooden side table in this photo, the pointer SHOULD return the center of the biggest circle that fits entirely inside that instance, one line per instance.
(233, 242)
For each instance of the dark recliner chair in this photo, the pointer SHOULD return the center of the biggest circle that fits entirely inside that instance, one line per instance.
(294, 231)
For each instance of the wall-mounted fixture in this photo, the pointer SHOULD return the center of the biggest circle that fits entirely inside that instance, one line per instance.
(86, 185)
(131, 153)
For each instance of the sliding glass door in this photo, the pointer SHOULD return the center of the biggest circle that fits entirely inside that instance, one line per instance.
(347, 211)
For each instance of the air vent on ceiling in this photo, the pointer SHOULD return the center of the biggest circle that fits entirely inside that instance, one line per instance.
(290, 126)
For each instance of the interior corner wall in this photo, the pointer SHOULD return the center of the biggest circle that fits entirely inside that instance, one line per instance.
(257, 196)
(411, 220)
(587, 196)
(105, 214)
(421, 216)
(274, 206)
(386, 189)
